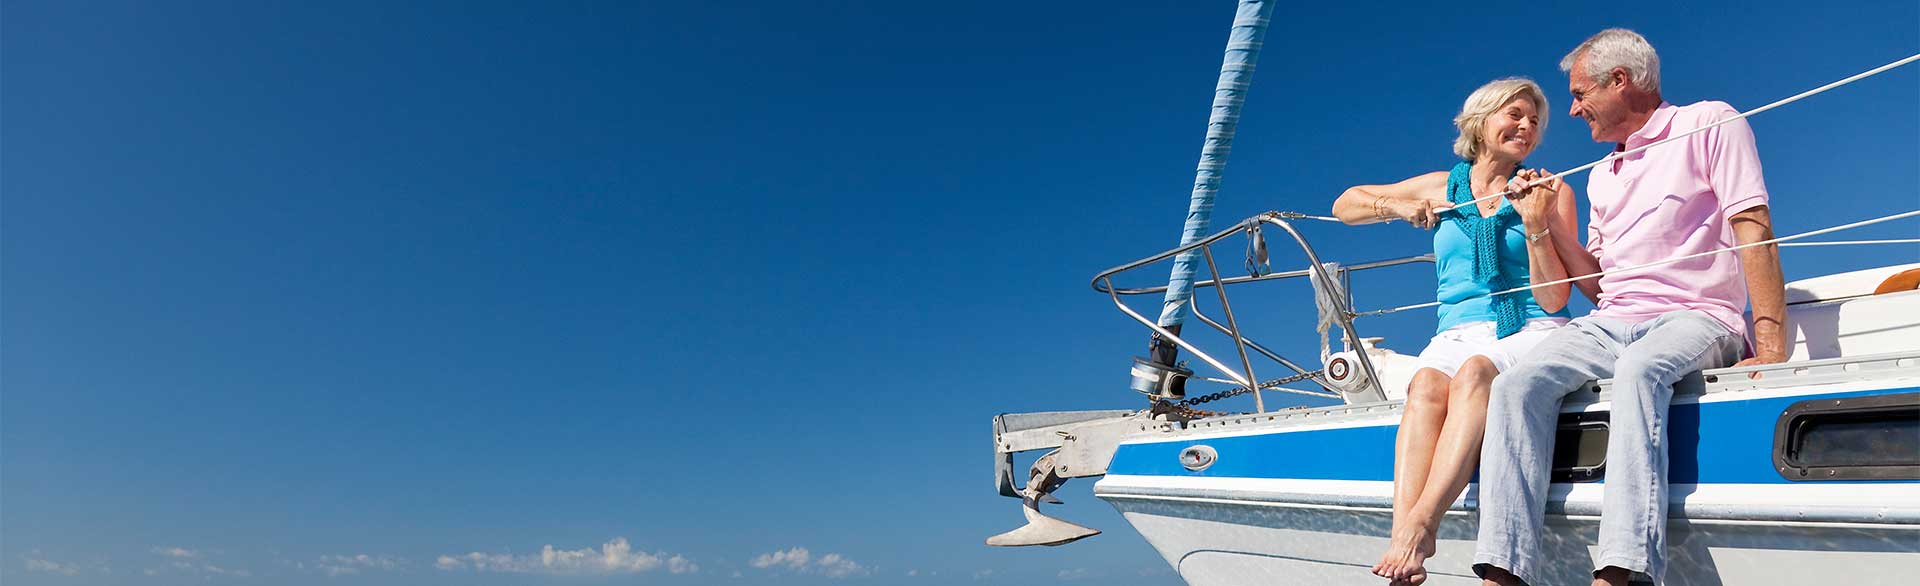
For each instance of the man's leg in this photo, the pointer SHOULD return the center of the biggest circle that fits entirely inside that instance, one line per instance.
(1633, 521)
(1516, 457)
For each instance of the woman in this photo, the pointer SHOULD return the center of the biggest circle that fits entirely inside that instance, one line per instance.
(1478, 249)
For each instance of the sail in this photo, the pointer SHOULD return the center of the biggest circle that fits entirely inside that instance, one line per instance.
(1236, 73)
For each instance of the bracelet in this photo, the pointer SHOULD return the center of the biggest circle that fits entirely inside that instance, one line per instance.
(1380, 211)
(1532, 238)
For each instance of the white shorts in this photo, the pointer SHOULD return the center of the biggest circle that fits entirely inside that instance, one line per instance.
(1451, 348)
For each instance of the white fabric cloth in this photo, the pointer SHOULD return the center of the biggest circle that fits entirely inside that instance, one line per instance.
(1451, 348)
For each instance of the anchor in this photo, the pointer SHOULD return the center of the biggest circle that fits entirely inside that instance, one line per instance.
(1040, 529)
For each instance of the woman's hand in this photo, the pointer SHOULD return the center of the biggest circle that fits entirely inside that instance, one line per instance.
(1422, 213)
(1417, 200)
(1537, 201)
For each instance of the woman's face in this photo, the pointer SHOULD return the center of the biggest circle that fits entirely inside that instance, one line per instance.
(1511, 132)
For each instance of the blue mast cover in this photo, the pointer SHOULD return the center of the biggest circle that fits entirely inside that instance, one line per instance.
(1236, 72)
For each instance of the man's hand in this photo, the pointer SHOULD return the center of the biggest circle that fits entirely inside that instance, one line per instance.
(1765, 358)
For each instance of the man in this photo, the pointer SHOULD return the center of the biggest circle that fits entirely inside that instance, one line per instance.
(1649, 327)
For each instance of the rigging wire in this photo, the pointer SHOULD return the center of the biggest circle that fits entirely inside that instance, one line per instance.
(1906, 214)
(1742, 115)
(1855, 242)
(1619, 154)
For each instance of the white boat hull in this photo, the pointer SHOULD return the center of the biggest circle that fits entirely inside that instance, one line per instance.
(1305, 497)
(1236, 542)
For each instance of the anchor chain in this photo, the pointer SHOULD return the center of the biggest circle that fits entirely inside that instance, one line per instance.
(1185, 408)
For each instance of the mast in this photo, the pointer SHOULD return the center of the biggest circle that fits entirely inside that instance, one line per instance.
(1229, 93)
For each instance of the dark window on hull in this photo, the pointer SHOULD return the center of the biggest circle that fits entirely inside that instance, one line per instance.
(1580, 447)
(1856, 438)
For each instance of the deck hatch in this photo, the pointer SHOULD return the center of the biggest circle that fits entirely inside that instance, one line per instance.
(1856, 438)
(1580, 447)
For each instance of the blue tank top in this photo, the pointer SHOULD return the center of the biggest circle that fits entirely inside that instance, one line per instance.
(1464, 300)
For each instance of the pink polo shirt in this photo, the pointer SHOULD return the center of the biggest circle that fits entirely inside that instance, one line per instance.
(1674, 200)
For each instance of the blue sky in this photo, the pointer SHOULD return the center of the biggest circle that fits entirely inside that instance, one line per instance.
(318, 293)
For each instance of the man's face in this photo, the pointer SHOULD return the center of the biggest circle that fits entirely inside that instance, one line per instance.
(1602, 103)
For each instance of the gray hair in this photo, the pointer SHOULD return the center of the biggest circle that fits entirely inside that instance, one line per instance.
(1485, 102)
(1618, 47)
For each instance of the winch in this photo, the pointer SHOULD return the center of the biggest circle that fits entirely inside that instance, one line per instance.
(1158, 380)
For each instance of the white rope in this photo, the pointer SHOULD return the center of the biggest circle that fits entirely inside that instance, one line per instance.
(1615, 155)
(1907, 214)
(1855, 242)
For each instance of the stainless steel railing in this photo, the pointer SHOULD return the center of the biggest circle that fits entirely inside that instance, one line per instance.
(1343, 313)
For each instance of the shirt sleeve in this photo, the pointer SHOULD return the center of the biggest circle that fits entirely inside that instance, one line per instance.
(1733, 165)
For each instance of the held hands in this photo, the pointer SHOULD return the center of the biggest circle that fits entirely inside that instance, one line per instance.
(1534, 199)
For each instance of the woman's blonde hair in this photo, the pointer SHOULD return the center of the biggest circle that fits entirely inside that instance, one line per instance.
(1484, 102)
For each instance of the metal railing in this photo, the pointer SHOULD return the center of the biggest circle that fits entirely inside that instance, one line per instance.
(1342, 314)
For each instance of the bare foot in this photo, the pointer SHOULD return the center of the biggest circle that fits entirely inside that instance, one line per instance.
(1384, 568)
(1380, 569)
(1407, 554)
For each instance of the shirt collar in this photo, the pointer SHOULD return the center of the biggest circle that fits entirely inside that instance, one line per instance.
(1655, 128)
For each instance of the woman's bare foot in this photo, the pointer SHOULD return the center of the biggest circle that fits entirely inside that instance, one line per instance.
(1405, 562)
(1385, 569)
(1393, 555)
(1380, 569)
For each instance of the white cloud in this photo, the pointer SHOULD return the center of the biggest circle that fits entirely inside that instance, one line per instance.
(795, 558)
(681, 565)
(1074, 574)
(336, 565)
(981, 574)
(613, 557)
(213, 569)
(39, 563)
(834, 565)
(798, 559)
(190, 561)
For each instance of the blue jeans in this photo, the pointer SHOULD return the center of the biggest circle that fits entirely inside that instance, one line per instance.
(1523, 413)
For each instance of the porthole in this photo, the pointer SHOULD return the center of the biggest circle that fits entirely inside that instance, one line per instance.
(1855, 438)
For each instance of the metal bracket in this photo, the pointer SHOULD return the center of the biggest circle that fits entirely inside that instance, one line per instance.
(1086, 440)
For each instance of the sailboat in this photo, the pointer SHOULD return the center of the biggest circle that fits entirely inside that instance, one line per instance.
(1806, 471)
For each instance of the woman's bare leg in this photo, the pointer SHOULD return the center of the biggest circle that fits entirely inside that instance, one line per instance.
(1454, 460)
(1420, 426)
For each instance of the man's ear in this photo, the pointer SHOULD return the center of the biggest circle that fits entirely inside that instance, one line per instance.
(1619, 76)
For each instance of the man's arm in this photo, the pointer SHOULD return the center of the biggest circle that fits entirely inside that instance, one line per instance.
(1766, 288)
(1578, 261)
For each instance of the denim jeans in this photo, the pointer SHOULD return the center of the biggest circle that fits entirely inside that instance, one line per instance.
(1644, 360)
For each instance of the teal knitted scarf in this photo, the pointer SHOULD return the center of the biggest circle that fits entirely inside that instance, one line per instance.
(1509, 315)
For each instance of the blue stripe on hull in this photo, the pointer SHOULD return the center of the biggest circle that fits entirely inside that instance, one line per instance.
(1719, 442)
